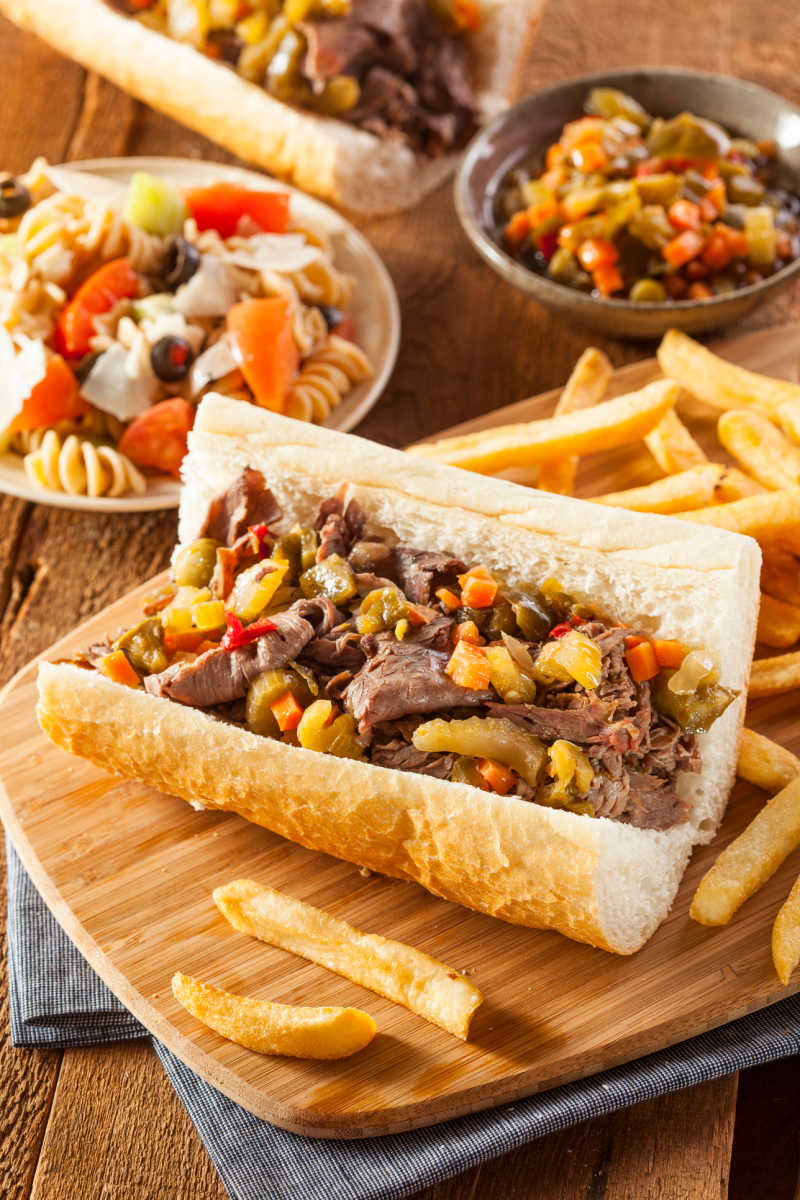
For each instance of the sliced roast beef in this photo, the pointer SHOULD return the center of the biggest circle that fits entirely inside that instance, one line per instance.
(653, 803)
(219, 675)
(405, 678)
(579, 725)
(420, 572)
(403, 757)
(248, 501)
(336, 651)
(339, 525)
(339, 47)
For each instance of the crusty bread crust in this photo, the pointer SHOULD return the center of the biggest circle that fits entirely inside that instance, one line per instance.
(597, 881)
(321, 155)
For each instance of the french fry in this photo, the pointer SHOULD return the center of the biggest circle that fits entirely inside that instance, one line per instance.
(610, 424)
(585, 387)
(778, 623)
(789, 419)
(750, 859)
(672, 446)
(399, 972)
(771, 676)
(780, 575)
(765, 763)
(772, 516)
(690, 489)
(719, 383)
(786, 935)
(735, 485)
(760, 447)
(275, 1028)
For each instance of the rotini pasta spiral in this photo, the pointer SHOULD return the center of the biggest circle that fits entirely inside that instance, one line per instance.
(81, 468)
(94, 424)
(326, 378)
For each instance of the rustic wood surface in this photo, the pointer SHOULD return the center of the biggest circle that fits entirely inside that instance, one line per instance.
(104, 1122)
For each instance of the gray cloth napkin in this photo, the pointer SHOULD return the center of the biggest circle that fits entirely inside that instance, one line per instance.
(57, 1000)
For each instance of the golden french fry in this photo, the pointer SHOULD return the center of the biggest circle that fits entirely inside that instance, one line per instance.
(778, 623)
(789, 419)
(780, 575)
(399, 972)
(750, 859)
(585, 387)
(765, 763)
(735, 485)
(772, 515)
(786, 935)
(771, 676)
(612, 423)
(284, 1029)
(675, 493)
(718, 382)
(760, 447)
(672, 446)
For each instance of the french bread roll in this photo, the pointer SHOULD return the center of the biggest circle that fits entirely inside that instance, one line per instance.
(322, 155)
(594, 879)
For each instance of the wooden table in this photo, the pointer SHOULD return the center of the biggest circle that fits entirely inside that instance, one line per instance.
(105, 1122)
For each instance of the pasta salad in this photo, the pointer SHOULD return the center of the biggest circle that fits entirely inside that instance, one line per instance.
(116, 320)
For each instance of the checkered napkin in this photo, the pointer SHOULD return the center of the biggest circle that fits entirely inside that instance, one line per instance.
(57, 1000)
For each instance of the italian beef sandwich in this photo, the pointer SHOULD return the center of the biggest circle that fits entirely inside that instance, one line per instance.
(526, 703)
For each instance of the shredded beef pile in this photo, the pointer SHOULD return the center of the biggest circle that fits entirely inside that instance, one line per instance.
(414, 77)
(391, 686)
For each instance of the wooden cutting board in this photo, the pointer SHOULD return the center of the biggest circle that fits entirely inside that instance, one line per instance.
(128, 872)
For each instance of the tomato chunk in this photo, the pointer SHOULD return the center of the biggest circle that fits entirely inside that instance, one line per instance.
(264, 346)
(156, 439)
(55, 398)
(222, 206)
(115, 281)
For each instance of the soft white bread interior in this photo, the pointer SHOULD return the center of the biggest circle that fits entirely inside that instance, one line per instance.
(595, 880)
(321, 155)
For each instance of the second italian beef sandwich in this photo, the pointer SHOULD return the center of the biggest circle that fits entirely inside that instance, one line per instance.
(526, 703)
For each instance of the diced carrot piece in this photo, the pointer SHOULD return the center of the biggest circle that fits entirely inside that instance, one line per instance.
(642, 661)
(684, 247)
(588, 157)
(190, 640)
(467, 15)
(418, 615)
(207, 645)
(469, 667)
(714, 201)
(286, 711)
(554, 156)
(597, 252)
(585, 129)
(717, 252)
(543, 211)
(684, 215)
(518, 228)
(467, 631)
(554, 178)
(634, 640)
(736, 239)
(478, 589)
(669, 653)
(700, 291)
(650, 166)
(710, 171)
(607, 280)
(498, 777)
(118, 668)
(448, 598)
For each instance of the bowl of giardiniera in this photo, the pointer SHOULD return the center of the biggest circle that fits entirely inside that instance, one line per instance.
(641, 200)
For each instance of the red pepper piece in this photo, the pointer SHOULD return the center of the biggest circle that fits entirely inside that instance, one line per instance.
(238, 635)
(558, 631)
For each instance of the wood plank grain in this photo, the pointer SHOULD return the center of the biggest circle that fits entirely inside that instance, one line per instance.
(625, 1156)
(529, 349)
(103, 1141)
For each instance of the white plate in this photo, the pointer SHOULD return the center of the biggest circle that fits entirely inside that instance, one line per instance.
(374, 309)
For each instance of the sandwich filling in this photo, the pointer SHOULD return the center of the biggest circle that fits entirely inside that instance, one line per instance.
(340, 640)
(398, 69)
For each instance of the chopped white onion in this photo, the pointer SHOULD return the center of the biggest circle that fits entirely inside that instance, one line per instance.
(214, 363)
(211, 292)
(22, 366)
(121, 383)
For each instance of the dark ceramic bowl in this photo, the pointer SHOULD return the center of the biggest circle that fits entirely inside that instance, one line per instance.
(532, 124)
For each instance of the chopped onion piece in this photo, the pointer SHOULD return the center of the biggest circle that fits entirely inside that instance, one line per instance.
(211, 292)
(214, 363)
(693, 671)
(518, 651)
(120, 383)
